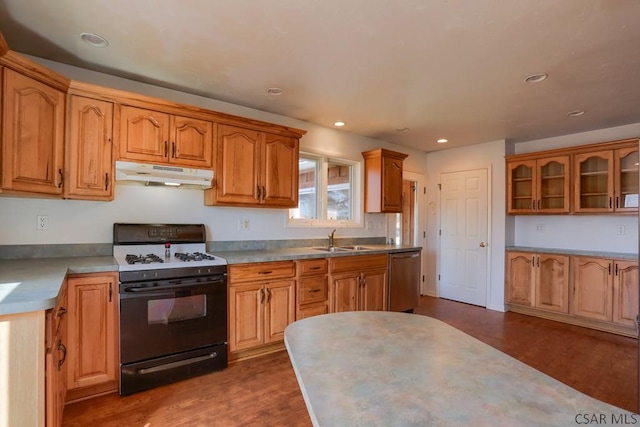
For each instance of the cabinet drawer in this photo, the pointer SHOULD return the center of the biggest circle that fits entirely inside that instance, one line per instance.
(312, 310)
(312, 289)
(310, 267)
(261, 271)
(357, 263)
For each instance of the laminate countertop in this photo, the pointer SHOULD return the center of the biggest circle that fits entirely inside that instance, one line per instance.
(33, 284)
(399, 369)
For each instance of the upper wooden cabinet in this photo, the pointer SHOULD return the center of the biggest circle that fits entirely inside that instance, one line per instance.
(383, 181)
(32, 135)
(157, 137)
(254, 168)
(607, 181)
(595, 178)
(89, 149)
(539, 186)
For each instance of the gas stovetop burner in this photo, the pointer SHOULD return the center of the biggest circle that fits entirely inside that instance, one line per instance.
(195, 256)
(143, 259)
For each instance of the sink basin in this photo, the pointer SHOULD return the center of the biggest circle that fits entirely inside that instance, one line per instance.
(355, 248)
(333, 249)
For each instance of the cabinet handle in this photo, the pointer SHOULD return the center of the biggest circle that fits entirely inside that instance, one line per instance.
(617, 202)
(533, 205)
(259, 193)
(173, 150)
(63, 349)
(261, 296)
(616, 269)
(610, 202)
(314, 268)
(106, 181)
(264, 193)
(538, 208)
(265, 272)
(609, 269)
(166, 149)
(314, 291)
(268, 295)
(538, 260)
(62, 311)
(61, 178)
(110, 291)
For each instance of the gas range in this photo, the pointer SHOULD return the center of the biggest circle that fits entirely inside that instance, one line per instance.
(158, 251)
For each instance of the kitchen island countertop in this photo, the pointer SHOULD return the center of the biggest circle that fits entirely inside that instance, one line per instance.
(397, 369)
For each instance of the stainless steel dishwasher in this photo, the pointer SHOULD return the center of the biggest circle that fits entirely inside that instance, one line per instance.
(404, 281)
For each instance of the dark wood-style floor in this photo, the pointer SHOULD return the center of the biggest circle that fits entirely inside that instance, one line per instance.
(264, 391)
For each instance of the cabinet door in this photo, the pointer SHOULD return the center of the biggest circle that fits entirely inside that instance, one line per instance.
(391, 185)
(89, 153)
(191, 142)
(520, 278)
(312, 289)
(373, 292)
(593, 283)
(32, 135)
(238, 166)
(552, 282)
(553, 185)
(280, 177)
(279, 309)
(144, 135)
(246, 316)
(521, 178)
(625, 293)
(92, 330)
(593, 182)
(344, 294)
(626, 180)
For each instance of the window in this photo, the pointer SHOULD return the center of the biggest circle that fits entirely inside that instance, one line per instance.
(328, 192)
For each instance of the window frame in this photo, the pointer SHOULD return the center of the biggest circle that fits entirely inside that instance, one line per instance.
(321, 190)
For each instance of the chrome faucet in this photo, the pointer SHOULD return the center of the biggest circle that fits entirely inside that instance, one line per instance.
(331, 238)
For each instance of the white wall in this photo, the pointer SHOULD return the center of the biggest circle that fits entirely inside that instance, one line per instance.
(489, 156)
(92, 222)
(588, 232)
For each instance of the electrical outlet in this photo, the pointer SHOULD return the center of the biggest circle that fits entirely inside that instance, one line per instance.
(42, 222)
(540, 228)
(243, 224)
(620, 230)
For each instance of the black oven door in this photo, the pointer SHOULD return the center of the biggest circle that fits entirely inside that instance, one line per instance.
(166, 317)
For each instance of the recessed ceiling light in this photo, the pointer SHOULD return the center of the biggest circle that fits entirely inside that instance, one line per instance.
(275, 91)
(94, 40)
(575, 113)
(339, 124)
(536, 78)
(403, 130)
(442, 141)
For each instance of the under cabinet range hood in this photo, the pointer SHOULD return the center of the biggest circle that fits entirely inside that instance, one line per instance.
(163, 174)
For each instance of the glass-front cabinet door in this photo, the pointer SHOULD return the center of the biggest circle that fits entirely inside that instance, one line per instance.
(553, 185)
(521, 186)
(593, 182)
(626, 180)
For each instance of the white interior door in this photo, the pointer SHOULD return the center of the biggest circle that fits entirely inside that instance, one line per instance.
(464, 229)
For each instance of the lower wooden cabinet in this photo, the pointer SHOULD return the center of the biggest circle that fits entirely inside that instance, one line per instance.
(600, 293)
(261, 303)
(538, 280)
(92, 352)
(56, 361)
(312, 288)
(358, 283)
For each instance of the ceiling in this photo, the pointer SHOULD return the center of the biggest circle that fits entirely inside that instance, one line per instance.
(441, 68)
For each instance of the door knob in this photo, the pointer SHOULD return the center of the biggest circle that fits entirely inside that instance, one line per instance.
(483, 244)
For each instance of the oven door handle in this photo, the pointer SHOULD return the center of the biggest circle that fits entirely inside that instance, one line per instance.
(170, 287)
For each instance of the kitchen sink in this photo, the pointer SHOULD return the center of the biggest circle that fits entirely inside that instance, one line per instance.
(332, 249)
(355, 248)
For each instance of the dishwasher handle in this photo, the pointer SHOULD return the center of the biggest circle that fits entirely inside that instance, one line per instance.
(406, 255)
